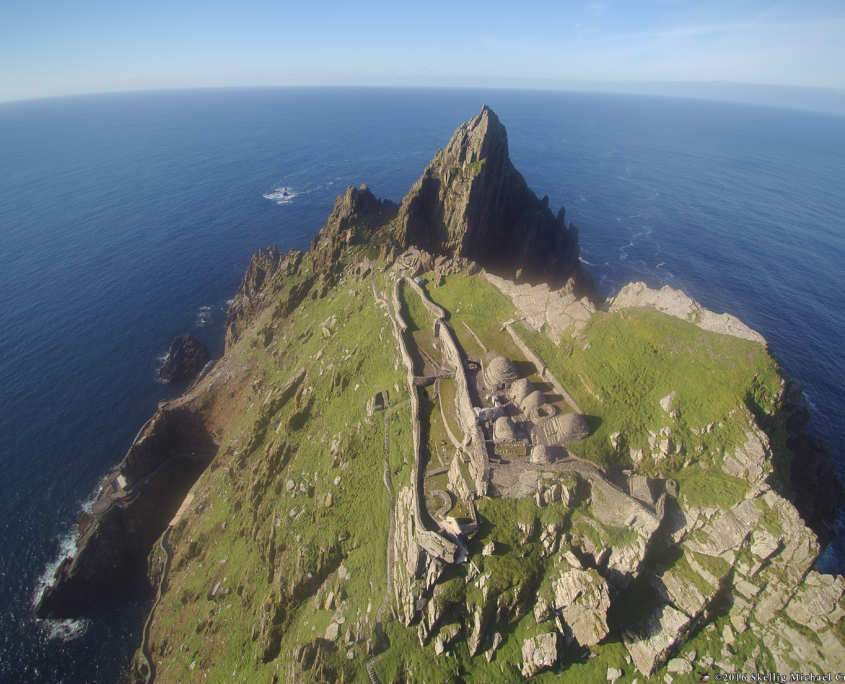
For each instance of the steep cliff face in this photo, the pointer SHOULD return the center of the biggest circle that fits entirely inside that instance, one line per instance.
(132, 509)
(472, 202)
(248, 300)
(356, 216)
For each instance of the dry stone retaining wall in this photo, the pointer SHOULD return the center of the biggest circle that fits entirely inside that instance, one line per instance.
(437, 546)
(479, 461)
(433, 309)
(544, 372)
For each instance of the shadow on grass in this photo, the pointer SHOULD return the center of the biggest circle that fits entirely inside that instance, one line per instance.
(594, 423)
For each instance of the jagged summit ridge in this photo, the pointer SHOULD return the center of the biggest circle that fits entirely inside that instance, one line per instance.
(472, 202)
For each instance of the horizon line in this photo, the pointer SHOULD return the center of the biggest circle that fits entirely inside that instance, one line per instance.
(808, 98)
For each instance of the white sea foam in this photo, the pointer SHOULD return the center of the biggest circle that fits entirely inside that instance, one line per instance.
(281, 195)
(203, 316)
(65, 630)
(161, 358)
(67, 547)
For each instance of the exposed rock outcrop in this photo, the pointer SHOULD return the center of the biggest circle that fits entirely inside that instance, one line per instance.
(538, 653)
(676, 303)
(581, 598)
(264, 277)
(186, 358)
(472, 202)
(561, 310)
(356, 215)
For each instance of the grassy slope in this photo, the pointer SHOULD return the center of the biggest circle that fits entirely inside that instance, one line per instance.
(629, 360)
(225, 652)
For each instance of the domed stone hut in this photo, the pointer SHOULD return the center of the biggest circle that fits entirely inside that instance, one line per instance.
(521, 389)
(532, 402)
(542, 454)
(499, 373)
(564, 428)
(503, 430)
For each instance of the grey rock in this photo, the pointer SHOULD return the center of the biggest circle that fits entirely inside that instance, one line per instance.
(676, 303)
(679, 666)
(648, 644)
(613, 674)
(538, 653)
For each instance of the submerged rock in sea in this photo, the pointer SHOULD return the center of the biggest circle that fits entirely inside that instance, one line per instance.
(186, 359)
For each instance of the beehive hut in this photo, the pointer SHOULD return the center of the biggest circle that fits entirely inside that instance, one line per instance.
(503, 430)
(542, 454)
(564, 429)
(521, 389)
(532, 403)
(499, 373)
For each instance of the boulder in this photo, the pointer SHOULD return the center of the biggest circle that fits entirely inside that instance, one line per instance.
(679, 666)
(583, 599)
(538, 653)
(650, 643)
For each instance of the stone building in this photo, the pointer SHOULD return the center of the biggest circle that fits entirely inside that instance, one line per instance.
(499, 373)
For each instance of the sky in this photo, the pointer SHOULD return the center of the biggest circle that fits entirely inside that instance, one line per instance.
(61, 47)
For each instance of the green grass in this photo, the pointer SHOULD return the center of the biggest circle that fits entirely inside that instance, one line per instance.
(358, 513)
(413, 311)
(632, 360)
(710, 487)
(448, 394)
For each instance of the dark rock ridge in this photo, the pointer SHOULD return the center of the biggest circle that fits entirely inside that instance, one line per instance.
(470, 203)
(186, 359)
(473, 203)
(131, 512)
(818, 492)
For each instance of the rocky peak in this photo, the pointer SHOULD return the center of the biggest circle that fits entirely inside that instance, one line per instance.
(472, 202)
(356, 215)
(481, 137)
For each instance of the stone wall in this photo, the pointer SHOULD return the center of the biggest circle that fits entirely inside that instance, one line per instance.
(433, 543)
(433, 309)
(479, 462)
(542, 371)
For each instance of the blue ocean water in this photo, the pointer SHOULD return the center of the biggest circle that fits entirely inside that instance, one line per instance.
(128, 219)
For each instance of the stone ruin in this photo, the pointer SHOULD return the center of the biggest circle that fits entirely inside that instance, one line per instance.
(378, 402)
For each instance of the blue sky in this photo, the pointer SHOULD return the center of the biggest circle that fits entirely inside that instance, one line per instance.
(61, 47)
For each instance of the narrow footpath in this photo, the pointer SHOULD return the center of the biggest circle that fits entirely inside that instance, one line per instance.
(164, 544)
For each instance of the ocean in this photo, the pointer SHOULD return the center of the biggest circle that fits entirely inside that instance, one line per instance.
(128, 219)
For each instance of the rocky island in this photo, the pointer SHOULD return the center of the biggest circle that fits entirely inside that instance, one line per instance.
(431, 453)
